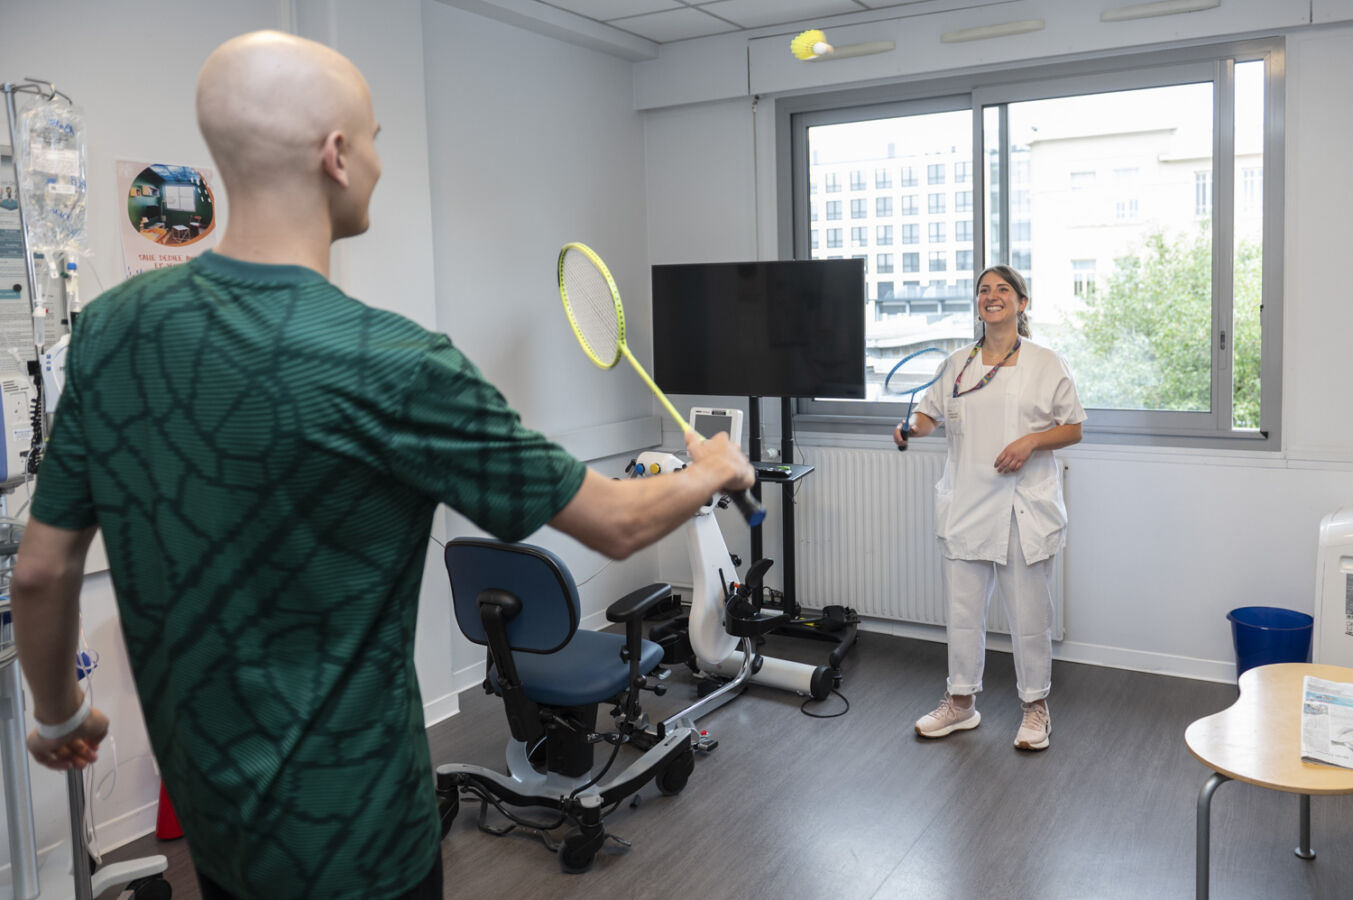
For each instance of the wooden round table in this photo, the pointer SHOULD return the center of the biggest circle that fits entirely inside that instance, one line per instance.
(1257, 740)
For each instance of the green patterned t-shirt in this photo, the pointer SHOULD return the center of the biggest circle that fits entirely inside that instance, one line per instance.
(263, 455)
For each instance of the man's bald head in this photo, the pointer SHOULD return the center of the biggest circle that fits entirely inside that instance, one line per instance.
(267, 100)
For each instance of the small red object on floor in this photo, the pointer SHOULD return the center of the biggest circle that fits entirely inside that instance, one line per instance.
(166, 823)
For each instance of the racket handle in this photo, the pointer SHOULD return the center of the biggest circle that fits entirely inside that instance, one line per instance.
(751, 510)
(905, 432)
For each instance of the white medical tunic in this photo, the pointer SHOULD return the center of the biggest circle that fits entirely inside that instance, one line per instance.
(973, 501)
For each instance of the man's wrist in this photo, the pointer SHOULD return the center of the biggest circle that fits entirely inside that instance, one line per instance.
(62, 729)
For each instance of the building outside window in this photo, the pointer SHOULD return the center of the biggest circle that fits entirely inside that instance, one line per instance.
(935, 232)
(909, 207)
(939, 262)
(883, 207)
(885, 263)
(883, 179)
(883, 235)
(833, 238)
(859, 236)
(856, 180)
(936, 204)
(911, 234)
(911, 262)
(858, 209)
(833, 210)
(935, 173)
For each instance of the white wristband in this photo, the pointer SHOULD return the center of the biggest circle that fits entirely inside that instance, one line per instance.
(61, 729)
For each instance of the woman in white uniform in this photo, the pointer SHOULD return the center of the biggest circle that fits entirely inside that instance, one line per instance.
(1006, 404)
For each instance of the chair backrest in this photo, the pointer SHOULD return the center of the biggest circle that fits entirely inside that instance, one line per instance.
(534, 575)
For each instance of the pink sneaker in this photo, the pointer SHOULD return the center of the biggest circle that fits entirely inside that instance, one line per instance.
(947, 718)
(1035, 730)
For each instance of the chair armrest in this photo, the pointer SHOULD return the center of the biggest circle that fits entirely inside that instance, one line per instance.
(636, 604)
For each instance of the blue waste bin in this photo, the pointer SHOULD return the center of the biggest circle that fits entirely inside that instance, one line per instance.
(1267, 634)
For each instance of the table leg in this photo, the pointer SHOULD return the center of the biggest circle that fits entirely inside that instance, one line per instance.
(1204, 832)
(1305, 851)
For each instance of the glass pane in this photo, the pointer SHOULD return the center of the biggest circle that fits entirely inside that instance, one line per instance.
(1110, 222)
(918, 299)
(1249, 243)
(991, 144)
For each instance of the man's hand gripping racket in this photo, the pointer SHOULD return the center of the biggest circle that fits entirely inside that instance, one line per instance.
(592, 302)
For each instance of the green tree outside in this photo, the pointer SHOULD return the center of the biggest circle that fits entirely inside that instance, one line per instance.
(1143, 341)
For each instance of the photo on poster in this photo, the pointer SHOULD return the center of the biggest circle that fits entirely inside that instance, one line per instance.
(171, 214)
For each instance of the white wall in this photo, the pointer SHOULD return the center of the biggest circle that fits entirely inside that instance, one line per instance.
(535, 143)
(1163, 542)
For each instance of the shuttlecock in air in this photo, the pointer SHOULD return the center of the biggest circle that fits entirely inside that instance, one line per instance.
(810, 45)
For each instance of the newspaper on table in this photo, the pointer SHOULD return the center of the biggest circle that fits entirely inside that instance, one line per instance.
(1327, 722)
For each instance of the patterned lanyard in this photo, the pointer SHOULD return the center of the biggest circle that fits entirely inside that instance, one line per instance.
(990, 375)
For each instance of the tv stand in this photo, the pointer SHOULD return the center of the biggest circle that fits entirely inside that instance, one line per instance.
(836, 624)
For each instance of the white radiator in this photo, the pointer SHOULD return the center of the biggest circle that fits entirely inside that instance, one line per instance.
(865, 528)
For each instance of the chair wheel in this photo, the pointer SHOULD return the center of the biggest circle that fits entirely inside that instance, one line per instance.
(578, 850)
(448, 806)
(152, 888)
(673, 778)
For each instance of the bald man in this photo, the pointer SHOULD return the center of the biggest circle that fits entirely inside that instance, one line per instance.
(264, 456)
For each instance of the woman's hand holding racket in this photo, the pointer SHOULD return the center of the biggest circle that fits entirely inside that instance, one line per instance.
(592, 302)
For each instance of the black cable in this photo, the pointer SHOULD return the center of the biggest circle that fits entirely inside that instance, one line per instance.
(803, 707)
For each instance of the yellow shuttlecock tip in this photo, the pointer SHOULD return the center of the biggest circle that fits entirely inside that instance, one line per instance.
(805, 45)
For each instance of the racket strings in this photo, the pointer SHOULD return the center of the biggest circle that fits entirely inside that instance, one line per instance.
(593, 308)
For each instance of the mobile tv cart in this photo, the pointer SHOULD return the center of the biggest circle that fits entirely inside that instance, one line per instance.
(836, 624)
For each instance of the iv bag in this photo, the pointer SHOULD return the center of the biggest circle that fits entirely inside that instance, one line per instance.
(52, 177)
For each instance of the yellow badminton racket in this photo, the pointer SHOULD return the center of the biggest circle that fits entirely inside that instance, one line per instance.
(592, 303)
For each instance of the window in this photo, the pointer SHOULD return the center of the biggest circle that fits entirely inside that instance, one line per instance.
(1080, 175)
(1202, 193)
(182, 197)
(833, 210)
(859, 236)
(1125, 185)
(883, 207)
(1083, 278)
(885, 263)
(883, 235)
(856, 180)
(883, 179)
(812, 239)
(833, 238)
(858, 209)
(885, 290)
(812, 212)
(833, 182)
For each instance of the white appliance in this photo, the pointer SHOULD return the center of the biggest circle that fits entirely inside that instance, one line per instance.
(1333, 640)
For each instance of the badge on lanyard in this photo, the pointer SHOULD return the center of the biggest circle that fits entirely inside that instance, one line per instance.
(953, 416)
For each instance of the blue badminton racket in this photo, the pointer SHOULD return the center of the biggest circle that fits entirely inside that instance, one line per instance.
(912, 391)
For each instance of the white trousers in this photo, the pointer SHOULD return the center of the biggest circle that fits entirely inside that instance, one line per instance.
(1026, 591)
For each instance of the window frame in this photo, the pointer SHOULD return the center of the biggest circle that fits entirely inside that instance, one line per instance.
(999, 86)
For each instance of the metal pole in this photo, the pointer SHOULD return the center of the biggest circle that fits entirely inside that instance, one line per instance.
(75, 790)
(1305, 851)
(23, 853)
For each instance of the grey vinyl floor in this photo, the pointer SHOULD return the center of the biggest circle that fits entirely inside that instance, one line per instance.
(858, 806)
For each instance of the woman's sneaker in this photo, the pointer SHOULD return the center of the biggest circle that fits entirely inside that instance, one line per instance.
(1036, 729)
(947, 718)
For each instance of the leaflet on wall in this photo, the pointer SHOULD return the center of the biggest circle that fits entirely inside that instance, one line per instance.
(170, 215)
(1327, 722)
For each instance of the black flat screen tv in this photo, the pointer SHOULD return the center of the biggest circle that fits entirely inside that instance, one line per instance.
(788, 328)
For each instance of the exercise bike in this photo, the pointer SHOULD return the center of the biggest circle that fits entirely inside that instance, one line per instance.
(717, 641)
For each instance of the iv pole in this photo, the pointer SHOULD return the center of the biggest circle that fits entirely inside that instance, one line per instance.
(143, 876)
(23, 851)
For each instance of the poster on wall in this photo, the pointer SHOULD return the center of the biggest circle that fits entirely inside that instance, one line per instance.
(170, 214)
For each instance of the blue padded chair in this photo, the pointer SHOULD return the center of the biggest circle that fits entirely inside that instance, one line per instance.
(521, 603)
